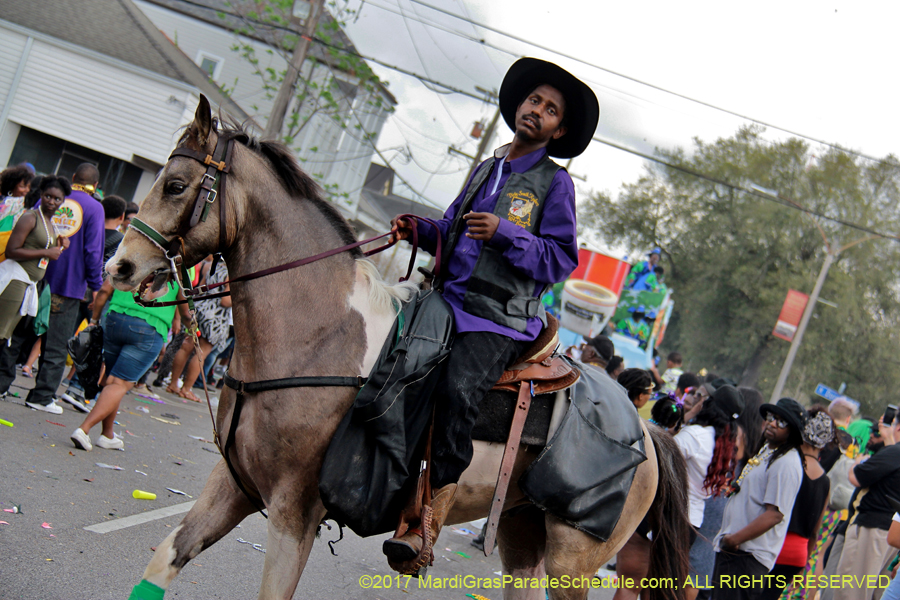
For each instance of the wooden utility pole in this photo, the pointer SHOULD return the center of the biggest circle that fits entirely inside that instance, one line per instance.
(286, 92)
(831, 253)
(482, 146)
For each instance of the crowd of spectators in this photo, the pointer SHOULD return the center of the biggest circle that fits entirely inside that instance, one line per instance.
(779, 493)
(58, 236)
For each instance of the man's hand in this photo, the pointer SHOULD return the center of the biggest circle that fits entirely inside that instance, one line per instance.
(482, 226)
(727, 543)
(63, 242)
(401, 229)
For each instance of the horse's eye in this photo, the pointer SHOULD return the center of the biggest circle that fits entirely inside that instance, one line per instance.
(175, 188)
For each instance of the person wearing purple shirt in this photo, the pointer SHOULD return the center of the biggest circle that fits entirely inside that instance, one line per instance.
(81, 220)
(509, 235)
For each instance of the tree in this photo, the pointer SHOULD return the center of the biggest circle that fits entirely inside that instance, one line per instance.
(332, 81)
(731, 257)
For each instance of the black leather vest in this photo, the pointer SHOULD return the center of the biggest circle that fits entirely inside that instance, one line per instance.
(496, 290)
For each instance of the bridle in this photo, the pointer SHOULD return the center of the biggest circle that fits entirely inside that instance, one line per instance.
(212, 188)
(217, 170)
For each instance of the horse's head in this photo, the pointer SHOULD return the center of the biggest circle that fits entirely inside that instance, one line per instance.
(141, 261)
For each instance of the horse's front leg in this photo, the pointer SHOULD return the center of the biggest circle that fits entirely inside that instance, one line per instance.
(292, 531)
(219, 509)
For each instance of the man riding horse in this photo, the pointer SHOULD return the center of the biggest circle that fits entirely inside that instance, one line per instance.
(517, 212)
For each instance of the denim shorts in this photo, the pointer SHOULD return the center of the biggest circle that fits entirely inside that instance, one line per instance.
(130, 345)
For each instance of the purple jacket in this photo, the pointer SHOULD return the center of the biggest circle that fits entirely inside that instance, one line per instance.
(548, 257)
(81, 219)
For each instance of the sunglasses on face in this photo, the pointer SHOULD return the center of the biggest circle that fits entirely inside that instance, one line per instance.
(780, 423)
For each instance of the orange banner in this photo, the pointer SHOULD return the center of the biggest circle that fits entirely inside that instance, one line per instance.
(790, 316)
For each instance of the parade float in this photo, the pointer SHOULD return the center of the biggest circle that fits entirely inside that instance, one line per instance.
(595, 299)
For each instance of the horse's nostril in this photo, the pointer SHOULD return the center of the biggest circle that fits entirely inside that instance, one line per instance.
(125, 269)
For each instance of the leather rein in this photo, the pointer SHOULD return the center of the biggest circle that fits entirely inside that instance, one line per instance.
(212, 188)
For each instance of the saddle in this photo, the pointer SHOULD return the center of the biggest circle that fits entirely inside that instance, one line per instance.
(540, 366)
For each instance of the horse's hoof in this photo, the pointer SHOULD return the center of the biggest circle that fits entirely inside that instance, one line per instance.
(399, 550)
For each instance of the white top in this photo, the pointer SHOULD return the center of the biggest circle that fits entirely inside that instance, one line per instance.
(777, 485)
(897, 517)
(498, 174)
(670, 379)
(11, 270)
(697, 445)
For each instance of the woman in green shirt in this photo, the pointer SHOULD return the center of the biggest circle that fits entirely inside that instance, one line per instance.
(132, 339)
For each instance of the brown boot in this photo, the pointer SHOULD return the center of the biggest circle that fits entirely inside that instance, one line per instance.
(407, 552)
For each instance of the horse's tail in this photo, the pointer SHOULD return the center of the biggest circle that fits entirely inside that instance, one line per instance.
(670, 548)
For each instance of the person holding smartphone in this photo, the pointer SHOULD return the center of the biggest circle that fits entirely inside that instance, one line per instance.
(866, 548)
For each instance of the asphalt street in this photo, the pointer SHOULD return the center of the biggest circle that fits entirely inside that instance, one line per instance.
(46, 552)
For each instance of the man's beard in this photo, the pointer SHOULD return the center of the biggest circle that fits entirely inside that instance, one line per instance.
(874, 447)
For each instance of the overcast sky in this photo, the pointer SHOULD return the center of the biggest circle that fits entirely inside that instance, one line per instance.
(822, 69)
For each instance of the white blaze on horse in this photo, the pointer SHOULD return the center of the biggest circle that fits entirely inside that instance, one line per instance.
(330, 318)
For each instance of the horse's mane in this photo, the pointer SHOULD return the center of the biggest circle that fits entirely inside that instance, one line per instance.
(292, 177)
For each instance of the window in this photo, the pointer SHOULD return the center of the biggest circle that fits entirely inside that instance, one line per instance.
(210, 63)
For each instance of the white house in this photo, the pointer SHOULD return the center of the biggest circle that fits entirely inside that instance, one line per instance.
(338, 157)
(94, 81)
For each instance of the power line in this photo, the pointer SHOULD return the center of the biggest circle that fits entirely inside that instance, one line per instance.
(781, 201)
(465, 11)
(397, 119)
(440, 27)
(367, 139)
(483, 42)
(679, 168)
(422, 62)
(644, 83)
(656, 159)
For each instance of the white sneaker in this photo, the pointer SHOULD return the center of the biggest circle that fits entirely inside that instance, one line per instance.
(110, 444)
(81, 440)
(52, 408)
(76, 400)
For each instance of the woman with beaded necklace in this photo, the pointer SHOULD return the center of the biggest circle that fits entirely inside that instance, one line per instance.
(754, 526)
(33, 243)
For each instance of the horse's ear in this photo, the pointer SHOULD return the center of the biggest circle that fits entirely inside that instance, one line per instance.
(203, 120)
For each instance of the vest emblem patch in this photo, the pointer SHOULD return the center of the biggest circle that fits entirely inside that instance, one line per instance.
(520, 208)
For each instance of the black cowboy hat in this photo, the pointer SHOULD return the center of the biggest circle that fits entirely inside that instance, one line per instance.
(788, 409)
(582, 111)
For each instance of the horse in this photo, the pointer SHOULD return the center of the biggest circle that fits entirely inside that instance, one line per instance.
(331, 317)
